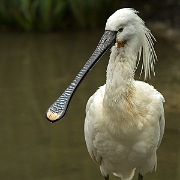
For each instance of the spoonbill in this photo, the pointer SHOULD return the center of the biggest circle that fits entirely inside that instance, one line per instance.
(124, 122)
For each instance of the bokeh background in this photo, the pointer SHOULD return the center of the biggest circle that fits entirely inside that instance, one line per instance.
(43, 45)
(48, 15)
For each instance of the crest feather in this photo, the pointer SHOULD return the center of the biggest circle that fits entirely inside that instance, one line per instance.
(147, 51)
(148, 54)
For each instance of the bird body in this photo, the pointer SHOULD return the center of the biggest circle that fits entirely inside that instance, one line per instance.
(119, 141)
(124, 121)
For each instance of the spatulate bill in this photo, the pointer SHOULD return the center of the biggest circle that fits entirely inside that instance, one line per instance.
(58, 109)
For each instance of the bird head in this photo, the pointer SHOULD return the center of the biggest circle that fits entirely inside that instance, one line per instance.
(128, 25)
(134, 36)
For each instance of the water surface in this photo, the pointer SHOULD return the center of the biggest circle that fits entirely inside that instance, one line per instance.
(34, 70)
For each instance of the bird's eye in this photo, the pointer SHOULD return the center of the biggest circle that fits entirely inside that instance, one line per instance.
(120, 30)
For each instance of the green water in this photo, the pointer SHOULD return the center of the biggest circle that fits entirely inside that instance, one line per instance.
(34, 70)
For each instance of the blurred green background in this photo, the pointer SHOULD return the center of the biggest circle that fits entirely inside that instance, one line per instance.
(48, 15)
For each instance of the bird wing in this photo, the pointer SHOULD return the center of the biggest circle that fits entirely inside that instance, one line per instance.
(154, 100)
(92, 121)
(161, 121)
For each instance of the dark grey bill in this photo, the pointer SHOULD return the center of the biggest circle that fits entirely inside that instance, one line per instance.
(58, 109)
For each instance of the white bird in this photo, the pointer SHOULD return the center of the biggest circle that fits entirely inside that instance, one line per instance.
(124, 122)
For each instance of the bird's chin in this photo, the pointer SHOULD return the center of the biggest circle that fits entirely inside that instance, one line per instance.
(120, 44)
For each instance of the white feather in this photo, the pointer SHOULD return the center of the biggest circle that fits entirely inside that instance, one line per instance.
(124, 122)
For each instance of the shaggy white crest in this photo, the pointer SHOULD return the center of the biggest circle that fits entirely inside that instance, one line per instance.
(134, 26)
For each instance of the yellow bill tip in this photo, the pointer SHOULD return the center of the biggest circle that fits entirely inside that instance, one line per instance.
(53, 116)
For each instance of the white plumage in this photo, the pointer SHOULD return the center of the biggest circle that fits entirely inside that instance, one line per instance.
(124, 122)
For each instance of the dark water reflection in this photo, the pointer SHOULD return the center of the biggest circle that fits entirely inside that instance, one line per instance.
(34, 70)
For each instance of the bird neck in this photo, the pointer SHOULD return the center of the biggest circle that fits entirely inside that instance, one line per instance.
(118, 101)
(120, 77)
